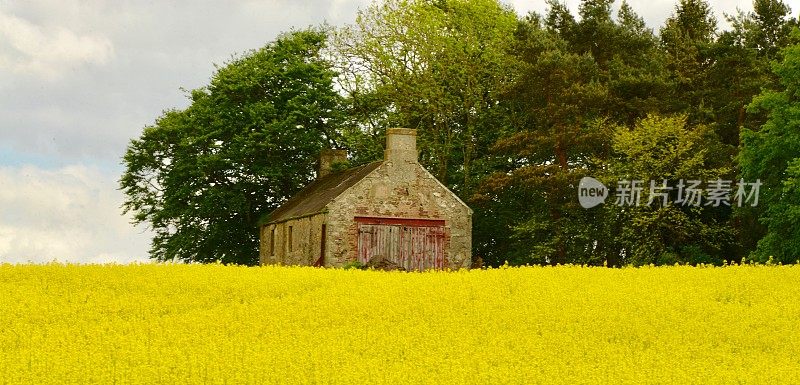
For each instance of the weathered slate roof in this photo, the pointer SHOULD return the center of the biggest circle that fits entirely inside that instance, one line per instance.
(314, 197)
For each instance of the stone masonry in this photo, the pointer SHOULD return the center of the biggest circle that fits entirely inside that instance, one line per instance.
(397, 188)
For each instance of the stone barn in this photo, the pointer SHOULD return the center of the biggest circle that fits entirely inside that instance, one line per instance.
(391, 210)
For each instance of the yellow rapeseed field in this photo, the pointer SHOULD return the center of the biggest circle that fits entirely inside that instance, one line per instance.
(192, 324)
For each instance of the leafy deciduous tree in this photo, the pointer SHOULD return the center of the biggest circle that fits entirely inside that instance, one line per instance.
(662, 149)
(202, 176)
(772, 154)
(438, 66)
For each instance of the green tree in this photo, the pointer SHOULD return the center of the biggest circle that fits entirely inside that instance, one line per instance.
(687, 38)
(438, 66)
(629, 60)
(741, 64)
(766, 29)
(667, 150)
(740, 71)
(782, 218)
(201, 177)
(577, 77)
(771, 154)
(554, 108)
(637, 74)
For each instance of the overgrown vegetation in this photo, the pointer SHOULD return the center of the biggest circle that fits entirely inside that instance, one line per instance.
(512, 112)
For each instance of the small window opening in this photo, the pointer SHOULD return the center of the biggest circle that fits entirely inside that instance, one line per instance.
(272, 241)
(290, 239)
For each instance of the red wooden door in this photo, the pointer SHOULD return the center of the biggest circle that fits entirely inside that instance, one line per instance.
(412, 244)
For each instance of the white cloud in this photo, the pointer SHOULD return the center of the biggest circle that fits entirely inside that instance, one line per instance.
(654, 12)
(48, 52)
(70, 214)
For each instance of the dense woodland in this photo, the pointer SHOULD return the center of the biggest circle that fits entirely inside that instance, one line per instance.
(512, 111)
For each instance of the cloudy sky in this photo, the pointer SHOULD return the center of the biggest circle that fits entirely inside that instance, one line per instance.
(79, 79)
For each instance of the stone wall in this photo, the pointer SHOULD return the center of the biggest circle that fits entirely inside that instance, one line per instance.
(398, 189)
(306, 237)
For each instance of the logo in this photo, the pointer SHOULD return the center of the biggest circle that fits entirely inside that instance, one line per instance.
(591, 192)
(719, 192)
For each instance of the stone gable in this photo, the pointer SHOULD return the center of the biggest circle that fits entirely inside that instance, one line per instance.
(395, 207)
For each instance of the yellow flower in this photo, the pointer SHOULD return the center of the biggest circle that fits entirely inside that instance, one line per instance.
(215, 324)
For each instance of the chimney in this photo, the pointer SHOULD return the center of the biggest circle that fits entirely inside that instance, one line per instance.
(327, 158)
(401, 145)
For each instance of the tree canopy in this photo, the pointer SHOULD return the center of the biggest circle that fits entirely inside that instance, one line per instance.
(512, 112)
(771, 154)
(201, 177)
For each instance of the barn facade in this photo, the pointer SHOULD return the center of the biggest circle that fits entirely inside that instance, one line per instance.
(392, 209)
